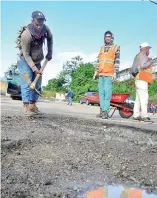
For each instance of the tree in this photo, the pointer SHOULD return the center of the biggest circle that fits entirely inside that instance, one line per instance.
(12, 70)
(76, 61)
(82, 79)
(63, 79)
(57, 84)
(71, 66)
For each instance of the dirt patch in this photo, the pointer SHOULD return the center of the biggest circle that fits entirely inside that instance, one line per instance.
(58, 156)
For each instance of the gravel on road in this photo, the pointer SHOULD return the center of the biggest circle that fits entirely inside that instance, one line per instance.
(60, 156)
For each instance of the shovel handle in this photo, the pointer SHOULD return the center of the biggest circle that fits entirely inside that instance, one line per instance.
(33, 84)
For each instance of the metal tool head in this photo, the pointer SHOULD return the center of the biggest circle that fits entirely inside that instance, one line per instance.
(37, 92)
(26, 78)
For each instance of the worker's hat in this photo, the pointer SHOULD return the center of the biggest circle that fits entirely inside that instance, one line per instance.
(144, 45)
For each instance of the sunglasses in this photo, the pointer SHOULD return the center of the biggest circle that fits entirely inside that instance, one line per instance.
(107, 37)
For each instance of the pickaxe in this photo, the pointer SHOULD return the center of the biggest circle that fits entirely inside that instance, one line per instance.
(32, 85)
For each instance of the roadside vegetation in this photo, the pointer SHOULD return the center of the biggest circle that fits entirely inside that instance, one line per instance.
(79, 77)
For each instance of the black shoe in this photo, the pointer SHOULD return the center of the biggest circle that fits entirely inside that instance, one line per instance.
(100, 114)
(104, 115)
(146, 119)
(137, 118)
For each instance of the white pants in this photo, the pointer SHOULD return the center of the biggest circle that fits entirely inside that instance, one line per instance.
(141, 102)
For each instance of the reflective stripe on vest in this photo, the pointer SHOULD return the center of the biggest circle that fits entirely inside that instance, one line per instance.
(115, 48)
(106, 60)
(149, 70)
(109, 61)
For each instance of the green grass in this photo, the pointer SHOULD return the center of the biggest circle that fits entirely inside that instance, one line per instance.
(153, 99)
(49, 94)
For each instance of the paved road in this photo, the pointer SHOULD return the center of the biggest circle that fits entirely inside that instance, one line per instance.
(62, 155)
(77, 110)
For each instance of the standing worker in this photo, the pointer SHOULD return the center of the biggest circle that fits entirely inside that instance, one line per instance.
(30, 43)
(142, 71)
(106, 69)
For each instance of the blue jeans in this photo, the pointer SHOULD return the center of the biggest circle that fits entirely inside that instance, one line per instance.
(69, 101)
(105, 92)
(28, 95)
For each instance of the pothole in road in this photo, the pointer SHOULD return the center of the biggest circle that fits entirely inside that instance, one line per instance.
(52, 158)
(111, 191)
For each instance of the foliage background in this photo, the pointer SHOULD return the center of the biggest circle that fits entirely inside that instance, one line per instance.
(78, 76)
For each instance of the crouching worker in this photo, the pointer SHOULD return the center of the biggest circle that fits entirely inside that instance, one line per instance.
(30, 43)
(142, 72)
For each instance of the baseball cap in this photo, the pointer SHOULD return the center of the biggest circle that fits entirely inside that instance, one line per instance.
(38, 15)
(143, 45)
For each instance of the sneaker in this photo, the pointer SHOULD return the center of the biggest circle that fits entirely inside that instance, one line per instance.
(146, 119)
(137, 118)
(104, 115)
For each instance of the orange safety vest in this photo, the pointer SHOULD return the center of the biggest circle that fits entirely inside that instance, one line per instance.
(97, 193)
(106, 60)
(131, 193)
(145, 75)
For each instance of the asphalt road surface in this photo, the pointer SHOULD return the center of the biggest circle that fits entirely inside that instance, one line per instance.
(67, 151)
(77, 110)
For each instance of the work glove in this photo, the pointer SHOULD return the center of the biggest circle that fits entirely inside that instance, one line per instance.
(48, 57)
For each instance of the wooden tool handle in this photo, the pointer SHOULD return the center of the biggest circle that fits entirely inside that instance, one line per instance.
(33, 84)
(44, 65)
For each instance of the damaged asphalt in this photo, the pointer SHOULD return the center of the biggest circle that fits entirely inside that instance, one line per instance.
(60, 156)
